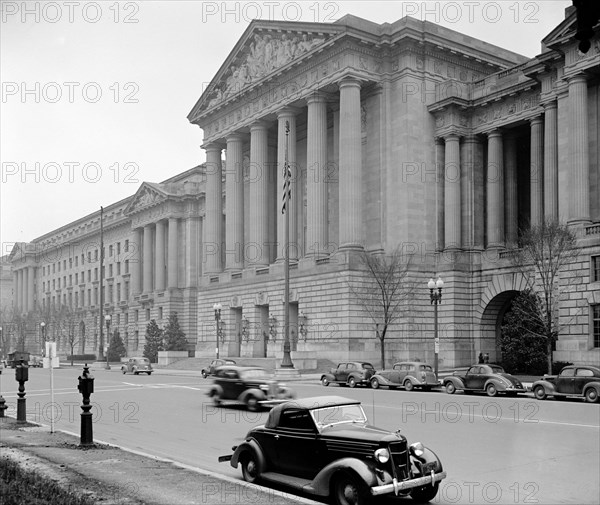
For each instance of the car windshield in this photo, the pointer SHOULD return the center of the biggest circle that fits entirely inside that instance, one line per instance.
(497, 369)
(426, 368)
(143, 361)
(338, 414)
(254, 374)
(367, 365)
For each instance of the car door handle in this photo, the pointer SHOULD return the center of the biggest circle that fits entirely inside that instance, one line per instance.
(276, 437)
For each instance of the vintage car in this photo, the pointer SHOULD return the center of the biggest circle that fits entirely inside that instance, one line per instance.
(489, 378)
(407, 374)
(336, 454)
(349, 373)
(251, 386)
(137, 365)
(214, 364)
(573, 380)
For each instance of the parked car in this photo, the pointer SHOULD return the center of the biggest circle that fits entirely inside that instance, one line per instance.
(137, 365)
(573, 380)
(36, 362)
(252, 386)
(407, 374)
(214, 364)
(14, 358)
(349, 373)
(479, 378)
(336, 454)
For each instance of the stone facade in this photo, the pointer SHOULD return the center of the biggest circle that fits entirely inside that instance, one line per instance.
(404, 135)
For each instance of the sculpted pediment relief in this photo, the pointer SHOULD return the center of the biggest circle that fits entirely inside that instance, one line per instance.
(145, 197)
(262, 54)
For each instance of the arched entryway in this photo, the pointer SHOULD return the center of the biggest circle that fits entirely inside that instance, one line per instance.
(491, 322)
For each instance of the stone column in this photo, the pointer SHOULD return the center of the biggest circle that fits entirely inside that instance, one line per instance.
(350, 167)
(511, 202)
(551, 161)
(440, 157)
(147, 262)
(213, 241)
(536, 172)
(30, 288)
(234, 204)
(16, 289)
(287, 115)
(452, 196)
(579, 180)
(135, 262)
(24, 285)
(258, 250)
(495, 191)
(316, 177)
(173, 253)
(159, 266)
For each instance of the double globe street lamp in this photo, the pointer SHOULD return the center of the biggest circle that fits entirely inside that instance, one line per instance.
(217, 308)
(436, 299)
(107, 319)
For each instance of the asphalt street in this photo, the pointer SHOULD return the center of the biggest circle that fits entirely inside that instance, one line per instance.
(495, 450)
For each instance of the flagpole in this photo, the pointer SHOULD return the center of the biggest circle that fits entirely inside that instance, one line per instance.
(286, 362)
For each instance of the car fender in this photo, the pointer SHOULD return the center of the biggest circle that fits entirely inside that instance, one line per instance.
(414, 380)
(321, 484)
(329, 376)
(548, 386)
(457, 381)
(428, 457)
(382, 380)
(215, 390)
(594, 385)
(250, 445)
(259, 393)
(500, 386)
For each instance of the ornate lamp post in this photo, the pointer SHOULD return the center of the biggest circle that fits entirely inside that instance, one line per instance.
(107, 319)
(217, 308)
(436, 299)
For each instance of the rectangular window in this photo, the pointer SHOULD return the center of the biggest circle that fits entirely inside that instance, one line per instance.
(119, 291)
(119, 268)
(595, 274)
(59, 283)
(76, 261)
(136, 315)
(71, 279)
(126, 246)
(64, 264)
(160, 312)
(118, 248)
(147, 314)
(110, 270)
(596, 325)
(58, 265)
(96, 255)
(126, 294)
(89, 297)
(95, 274)
(126, 317)
(126, 266)
(77, 279)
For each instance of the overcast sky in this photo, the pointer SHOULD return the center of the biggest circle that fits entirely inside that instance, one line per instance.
(95, 94)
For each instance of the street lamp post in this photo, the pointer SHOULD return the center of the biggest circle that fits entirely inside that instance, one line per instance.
(107, 321)
(217, 308)
(436, 299)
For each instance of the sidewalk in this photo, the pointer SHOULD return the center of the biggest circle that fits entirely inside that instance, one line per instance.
(109, 475)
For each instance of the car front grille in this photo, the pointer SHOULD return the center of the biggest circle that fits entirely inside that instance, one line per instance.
(399, 459)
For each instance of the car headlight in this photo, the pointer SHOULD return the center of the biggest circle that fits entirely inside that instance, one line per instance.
(382, 455)
(417, 449)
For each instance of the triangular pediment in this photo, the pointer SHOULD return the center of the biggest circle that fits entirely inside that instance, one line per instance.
(265, 49)
(564, 32)
(148, 195)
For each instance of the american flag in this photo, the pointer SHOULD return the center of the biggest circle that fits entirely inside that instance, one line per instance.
(287, 187)
(287, 172)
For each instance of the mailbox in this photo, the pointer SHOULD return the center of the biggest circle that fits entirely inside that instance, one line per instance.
(22, 372)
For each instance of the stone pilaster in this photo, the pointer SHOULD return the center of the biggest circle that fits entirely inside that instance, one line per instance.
(16, 288)
(536, 172)
(440, 156)
(173, 253)
(511, 205)
(551, 161)
(135, 262)
(350, 167)
(30, 288)
(495, 191)
(258, 250)
(213, 241)
(159, 255)
(287, 116)
(316, 177)
(24, 290)
(234, 204)
(147, 261)
(579, 194)
(452, 196)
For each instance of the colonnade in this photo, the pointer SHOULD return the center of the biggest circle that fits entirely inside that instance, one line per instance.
(501, 202)
(23, 282)
(317, 218)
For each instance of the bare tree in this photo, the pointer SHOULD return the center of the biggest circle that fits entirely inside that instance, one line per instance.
(544, 251)
(385, 292)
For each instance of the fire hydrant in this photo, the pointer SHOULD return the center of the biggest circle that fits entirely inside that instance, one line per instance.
(86, 388)
(21, 376)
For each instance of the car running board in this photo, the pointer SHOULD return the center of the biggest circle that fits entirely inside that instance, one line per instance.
(288, 480)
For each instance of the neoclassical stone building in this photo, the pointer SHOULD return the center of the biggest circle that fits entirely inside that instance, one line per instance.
(398, 135)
